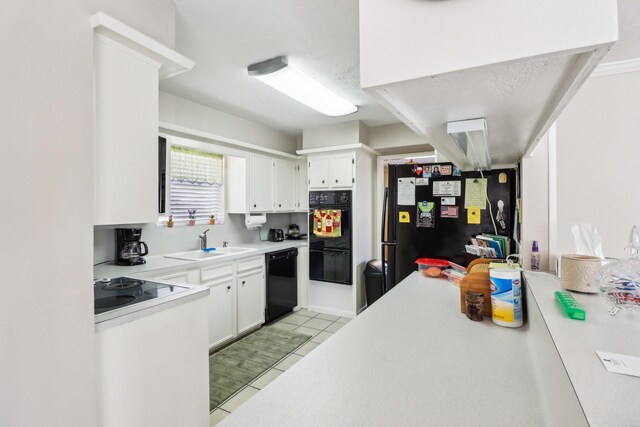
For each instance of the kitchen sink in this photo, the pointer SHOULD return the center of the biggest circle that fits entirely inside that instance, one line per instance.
(202, 255)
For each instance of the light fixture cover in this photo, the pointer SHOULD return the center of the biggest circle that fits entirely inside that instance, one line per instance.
(471, 138)
(291, 81)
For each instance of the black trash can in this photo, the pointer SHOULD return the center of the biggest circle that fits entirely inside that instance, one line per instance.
(373, 280)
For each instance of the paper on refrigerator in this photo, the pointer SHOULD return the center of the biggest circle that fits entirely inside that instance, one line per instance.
(407, 191)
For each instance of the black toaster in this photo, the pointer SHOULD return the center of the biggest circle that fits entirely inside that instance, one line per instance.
(276, 235)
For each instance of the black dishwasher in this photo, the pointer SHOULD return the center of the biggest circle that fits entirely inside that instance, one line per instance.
(282, 283)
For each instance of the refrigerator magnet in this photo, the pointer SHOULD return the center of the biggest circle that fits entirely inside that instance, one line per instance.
(448, 212)
(425, 217)
(448, 201)
(422, 181)
(403, 217)
(456, 171)
(473, 215)
(445, 169)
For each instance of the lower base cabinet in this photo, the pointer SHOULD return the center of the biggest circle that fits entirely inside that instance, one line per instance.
(221, 308)
(252, 292)
(237, 298)
(153, 371)
(250, 301)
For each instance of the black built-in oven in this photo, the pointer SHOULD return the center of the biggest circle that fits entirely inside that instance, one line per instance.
(330, 256)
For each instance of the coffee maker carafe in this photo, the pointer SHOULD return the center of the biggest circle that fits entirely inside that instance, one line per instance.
(129, 246)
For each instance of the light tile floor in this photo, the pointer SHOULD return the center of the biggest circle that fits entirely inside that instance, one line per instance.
(319, 326)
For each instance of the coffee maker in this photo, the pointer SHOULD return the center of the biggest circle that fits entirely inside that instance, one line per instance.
(129, 246)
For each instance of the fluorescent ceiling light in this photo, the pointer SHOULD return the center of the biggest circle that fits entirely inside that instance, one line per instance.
(471, 138)
(294, 83)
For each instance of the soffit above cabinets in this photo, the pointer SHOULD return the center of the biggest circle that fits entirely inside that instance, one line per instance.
(465, 73)
(171, 62)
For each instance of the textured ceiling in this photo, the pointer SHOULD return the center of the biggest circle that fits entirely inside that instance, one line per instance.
(224, 36)
(321, 37)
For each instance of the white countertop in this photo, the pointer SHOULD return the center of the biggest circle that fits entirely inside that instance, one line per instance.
(607, 399)
(161, 264)
(413, 359)
(410, 359)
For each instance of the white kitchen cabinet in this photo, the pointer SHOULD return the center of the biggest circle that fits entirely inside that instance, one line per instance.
(187, 276)
(261, 171)
(318, 172)
(125, 146)
(127, 68)
(335, 171)
(259, 184)
(221, 311)
(302, 191)
(251, 294)
(341, 170)
(285, 188)
(221, 281)
(153, 371)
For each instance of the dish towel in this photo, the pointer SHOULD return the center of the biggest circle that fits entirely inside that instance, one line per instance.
(327, 222)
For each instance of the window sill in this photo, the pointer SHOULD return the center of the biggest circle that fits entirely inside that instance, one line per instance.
(183, 224)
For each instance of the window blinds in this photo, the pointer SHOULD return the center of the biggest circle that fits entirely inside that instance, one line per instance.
(196, 183)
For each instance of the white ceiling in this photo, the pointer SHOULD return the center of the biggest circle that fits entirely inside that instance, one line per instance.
(321, 36)
(223, 37)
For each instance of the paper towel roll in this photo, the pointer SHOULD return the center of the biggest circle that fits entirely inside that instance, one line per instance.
(578, 272)
(254, 221)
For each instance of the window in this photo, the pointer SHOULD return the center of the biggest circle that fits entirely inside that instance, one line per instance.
(196, 183)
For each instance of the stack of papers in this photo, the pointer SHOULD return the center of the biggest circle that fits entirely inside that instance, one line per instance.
(489, 245)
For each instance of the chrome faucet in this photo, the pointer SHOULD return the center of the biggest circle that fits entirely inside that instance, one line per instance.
(203, 240)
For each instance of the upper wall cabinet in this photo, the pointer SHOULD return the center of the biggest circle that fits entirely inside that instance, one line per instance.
(258, 184)
(127, 68)
(515, 63)
(331, 171)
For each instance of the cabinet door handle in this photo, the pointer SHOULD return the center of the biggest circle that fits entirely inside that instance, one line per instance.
(279, 205)
(336, 181)
(228, 287)
(323, 181)
(243, 282)
(254, 206)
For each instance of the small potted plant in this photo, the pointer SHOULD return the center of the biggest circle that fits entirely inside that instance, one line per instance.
(212, 219)
(192, 217)
(170, 222)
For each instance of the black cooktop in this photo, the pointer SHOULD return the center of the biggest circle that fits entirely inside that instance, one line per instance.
(124, 291)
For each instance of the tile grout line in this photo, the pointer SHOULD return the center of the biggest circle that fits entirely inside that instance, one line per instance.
(310, 340)
(248, 384)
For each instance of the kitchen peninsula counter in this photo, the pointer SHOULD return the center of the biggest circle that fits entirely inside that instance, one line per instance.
(413, 359)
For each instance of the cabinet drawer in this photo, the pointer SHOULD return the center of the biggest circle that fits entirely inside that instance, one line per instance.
(251, 263)
(217, 272)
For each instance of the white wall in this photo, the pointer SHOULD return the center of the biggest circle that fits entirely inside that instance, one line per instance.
(534, 187)
(397, 136)
(597, 156)
(188, 114)
(46, 310)
(352, 132)
(47, 357)
(162, 240)
(406, 39)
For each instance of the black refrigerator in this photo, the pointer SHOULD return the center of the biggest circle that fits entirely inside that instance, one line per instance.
(424, 214)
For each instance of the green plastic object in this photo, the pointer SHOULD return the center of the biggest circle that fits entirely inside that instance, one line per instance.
(570, 306)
